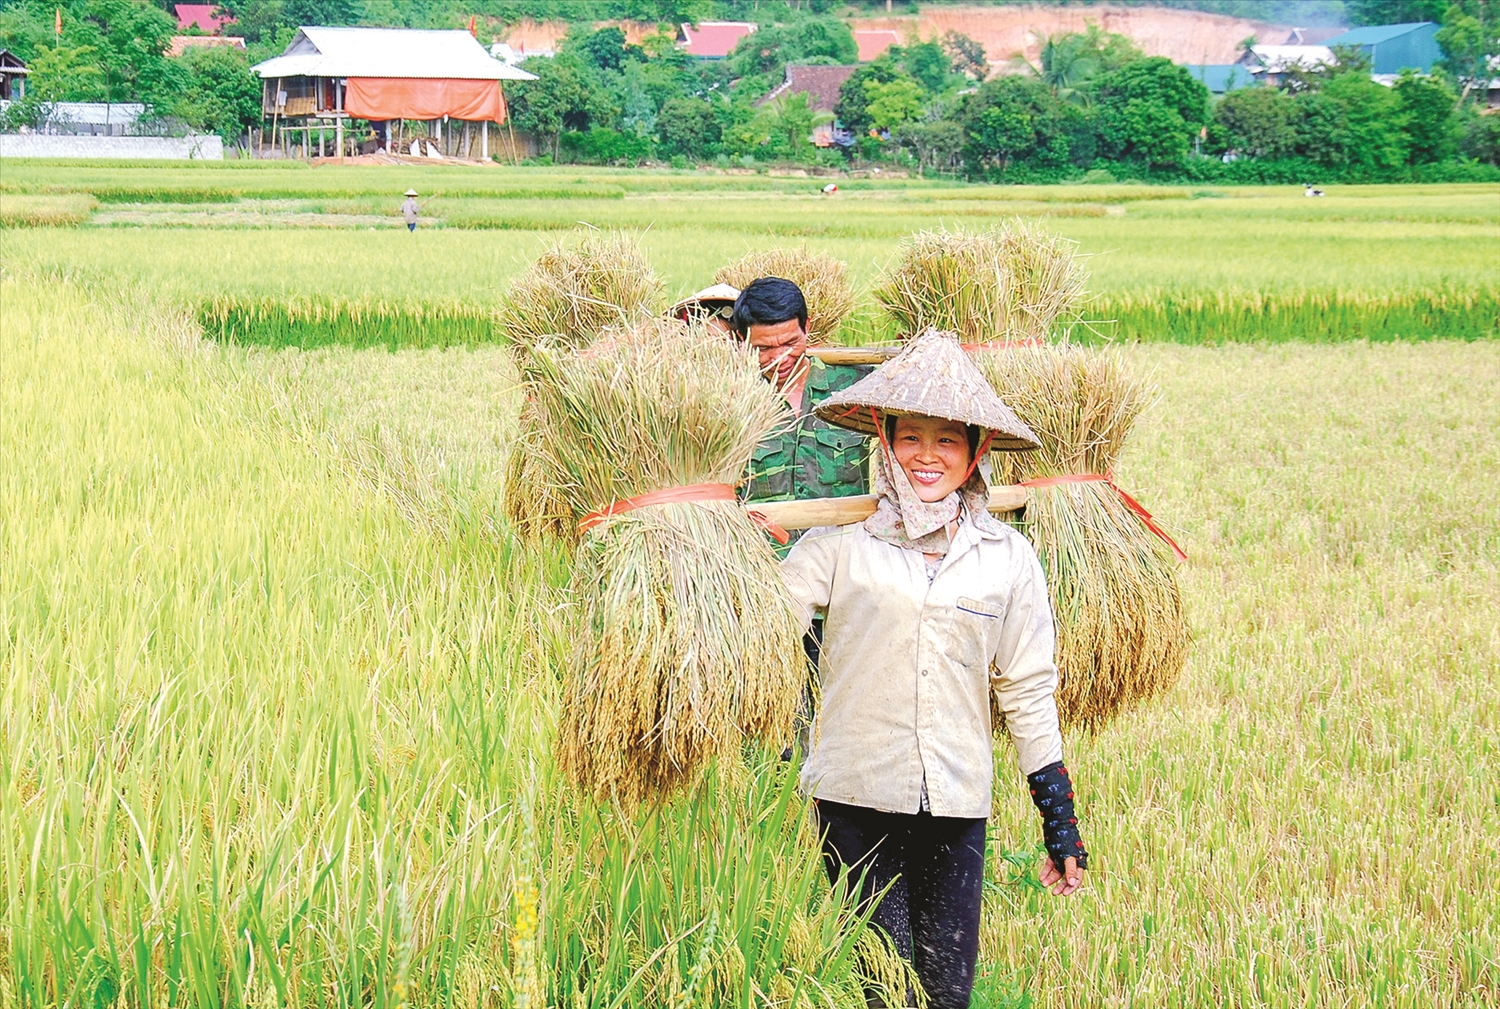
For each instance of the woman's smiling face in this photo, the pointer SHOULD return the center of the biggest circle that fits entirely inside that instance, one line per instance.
(934, 453)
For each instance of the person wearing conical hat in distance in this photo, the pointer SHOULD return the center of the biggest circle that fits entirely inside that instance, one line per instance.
(713, 306)
(929, 605)
(410, 209)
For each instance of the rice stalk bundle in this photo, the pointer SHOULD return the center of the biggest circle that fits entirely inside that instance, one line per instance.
(575, 290)
(687, 644)
(1011, 282)
(824, 282)
(1121, 634)
(577, 287)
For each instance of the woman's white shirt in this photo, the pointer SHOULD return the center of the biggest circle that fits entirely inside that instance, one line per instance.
(907, 665)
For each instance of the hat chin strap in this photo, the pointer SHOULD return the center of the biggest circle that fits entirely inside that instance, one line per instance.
(979, 454)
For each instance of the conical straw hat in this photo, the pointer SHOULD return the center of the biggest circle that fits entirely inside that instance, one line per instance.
(931, 377)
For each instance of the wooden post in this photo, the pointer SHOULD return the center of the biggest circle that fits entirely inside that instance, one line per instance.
(338, 135)
(484, 142)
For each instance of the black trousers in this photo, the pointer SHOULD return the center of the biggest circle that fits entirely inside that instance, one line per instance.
(931, 911)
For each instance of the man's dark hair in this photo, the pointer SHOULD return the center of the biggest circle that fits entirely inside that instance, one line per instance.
(767, 301)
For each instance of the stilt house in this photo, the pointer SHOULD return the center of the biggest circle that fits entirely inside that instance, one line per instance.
(387, 76)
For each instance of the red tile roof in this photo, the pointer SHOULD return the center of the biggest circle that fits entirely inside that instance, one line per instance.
(821, 85)
(713, 40)
(208, 17)
(873, 43)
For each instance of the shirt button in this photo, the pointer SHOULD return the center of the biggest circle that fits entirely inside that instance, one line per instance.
(924, 672)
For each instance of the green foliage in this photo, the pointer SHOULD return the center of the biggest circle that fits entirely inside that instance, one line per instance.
(567, 95)
(767, 52)
(1071, 62)
(1470, 39)
(1430, 109)
(1356, 125)
(109, 50)
(220, 94)
(688, 127)
(1149, 110)
(1013, 119)
(1394, 12)
(788, 123)
(852, 109)
(888, 105)
(1257, 123)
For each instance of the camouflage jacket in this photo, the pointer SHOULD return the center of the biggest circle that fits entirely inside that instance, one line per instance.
(808, 458)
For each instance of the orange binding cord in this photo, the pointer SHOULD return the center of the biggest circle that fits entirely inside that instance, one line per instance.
(1130, 502)
(681, 495)
(1035, 341)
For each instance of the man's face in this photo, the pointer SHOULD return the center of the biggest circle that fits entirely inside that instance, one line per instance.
(781, 346)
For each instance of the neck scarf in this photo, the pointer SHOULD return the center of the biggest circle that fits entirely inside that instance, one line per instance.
(903, 519)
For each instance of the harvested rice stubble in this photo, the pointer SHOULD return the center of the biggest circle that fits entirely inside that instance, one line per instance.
(1122, 637)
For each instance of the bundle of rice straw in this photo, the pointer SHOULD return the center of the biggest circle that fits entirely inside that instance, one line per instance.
(687, 642)
(824, 282)
(578, 287)
(1008, 283)
(1121, 634)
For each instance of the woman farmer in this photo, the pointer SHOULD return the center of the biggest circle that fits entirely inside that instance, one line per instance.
(929, 605)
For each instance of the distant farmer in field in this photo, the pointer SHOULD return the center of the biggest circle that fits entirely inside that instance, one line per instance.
(410, 210)
(713, 306)
(932, 606)
(807, 458)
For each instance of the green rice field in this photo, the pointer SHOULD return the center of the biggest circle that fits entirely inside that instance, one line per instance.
(278, 684)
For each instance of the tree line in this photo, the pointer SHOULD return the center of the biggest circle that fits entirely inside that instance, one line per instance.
(1093, 105)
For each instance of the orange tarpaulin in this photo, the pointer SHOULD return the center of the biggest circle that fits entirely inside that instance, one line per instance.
(424, 98)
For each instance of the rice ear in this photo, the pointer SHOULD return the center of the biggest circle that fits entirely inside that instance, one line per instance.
(823, 279)
(686, 643)
(1122, 636)
(1013, 282)
(579, 286)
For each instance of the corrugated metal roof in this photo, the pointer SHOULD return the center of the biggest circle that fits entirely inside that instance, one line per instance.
(1277, 59)
(388, 52)
(1221, 77)
(1375, 34)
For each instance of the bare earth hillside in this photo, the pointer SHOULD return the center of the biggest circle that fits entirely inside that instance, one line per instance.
(1180, 35)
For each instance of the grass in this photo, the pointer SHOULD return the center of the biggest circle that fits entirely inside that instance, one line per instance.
(1165, 263)
(45, 211)
(277, 685)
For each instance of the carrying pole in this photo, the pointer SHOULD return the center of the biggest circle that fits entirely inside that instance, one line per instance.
(843, 511)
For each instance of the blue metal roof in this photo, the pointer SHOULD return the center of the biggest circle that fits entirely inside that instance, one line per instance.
(1375, 34)
(1220, 77)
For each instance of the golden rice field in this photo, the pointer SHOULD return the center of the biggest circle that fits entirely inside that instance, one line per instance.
(278, 687)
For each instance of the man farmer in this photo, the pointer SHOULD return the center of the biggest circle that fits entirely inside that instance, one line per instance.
(409, 210)
(806, 458)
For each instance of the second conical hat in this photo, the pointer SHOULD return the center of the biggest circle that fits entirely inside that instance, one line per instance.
(931, 377)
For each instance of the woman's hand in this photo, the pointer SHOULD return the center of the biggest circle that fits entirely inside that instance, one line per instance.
(1068, 882)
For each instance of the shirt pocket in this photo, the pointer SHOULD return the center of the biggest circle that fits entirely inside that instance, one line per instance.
(842, 461)
(976, 625)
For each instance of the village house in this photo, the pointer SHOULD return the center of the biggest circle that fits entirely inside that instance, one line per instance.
(821, 84)
(13, 71)
(387, 76)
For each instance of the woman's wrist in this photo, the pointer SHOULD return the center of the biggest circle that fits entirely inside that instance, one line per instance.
(1052, 792)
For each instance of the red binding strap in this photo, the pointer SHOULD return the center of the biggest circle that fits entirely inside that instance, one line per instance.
(1130, 502)
(1034, 341)
(681, 495)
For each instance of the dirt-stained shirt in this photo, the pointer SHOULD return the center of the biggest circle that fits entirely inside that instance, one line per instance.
(807, 457)
(907, 666)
